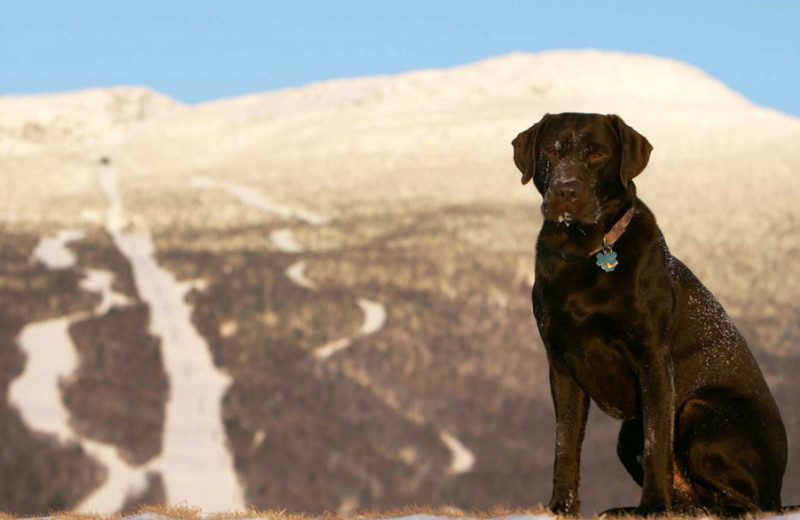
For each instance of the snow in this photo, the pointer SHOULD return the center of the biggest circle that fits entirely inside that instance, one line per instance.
(252, 198)
(121, 481)
(87, 117)
(374, 313)
(49, 352)
(297, 273)
(463, 459)
(52, 251)
(374, 316)
(331, 348)
(284, 240)
(194, 462)
(98, 280)
(374, 319)
(50, 356)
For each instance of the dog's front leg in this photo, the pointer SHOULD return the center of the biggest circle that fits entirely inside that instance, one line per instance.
(571, 406)
(657, 392)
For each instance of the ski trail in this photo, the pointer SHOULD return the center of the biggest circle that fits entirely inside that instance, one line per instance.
(297, 273)
(121, 481)
(49, 352)
(284, 240)
(374, 316)
(53, 253)
(50, 357)
(195, 463)
(98, 280)
(374, 319)
(463, 460)
(250, 197)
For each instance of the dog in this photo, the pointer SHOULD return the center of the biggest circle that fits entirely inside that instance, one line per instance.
(627, 325)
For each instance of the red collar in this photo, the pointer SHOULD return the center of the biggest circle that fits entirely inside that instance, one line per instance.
(616, 231)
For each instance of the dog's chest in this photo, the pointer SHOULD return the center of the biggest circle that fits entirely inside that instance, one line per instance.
(602, 372)
(589, 340)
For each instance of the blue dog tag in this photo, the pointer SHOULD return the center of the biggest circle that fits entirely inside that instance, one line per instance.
(607, 261)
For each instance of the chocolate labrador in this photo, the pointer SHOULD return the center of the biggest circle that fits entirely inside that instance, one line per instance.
(628, 325)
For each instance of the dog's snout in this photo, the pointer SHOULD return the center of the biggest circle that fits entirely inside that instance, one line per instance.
(569, 190)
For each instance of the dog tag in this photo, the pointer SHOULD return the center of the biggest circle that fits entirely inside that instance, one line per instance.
(607, 260)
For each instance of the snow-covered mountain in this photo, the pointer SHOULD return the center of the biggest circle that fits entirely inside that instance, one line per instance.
(86, 117)
(293, 218)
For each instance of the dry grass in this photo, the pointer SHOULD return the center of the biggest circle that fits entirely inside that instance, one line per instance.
(178, 512)
(184, 512)
(449, 512)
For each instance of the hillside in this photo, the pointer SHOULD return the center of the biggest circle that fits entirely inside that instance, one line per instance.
(88, 117)
(337, 276)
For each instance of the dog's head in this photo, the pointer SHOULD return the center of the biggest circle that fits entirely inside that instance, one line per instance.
(580, 162)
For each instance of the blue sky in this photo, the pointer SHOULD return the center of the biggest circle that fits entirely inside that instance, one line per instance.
(199, 50)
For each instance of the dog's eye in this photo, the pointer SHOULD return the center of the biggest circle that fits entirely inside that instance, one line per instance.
(596, 156)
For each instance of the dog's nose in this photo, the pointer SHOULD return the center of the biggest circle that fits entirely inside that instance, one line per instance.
(569, 190)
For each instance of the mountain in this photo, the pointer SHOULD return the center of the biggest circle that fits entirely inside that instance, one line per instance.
(358, 256)
(85, 117)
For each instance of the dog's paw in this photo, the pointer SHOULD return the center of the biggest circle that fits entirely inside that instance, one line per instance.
(633, 511)
(653, 505)
(565, 507)
(618, 511)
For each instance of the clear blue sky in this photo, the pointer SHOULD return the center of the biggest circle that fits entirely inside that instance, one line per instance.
(196, 50)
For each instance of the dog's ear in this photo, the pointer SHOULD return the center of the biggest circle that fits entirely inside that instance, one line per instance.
(525, 150)
(635, 150)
